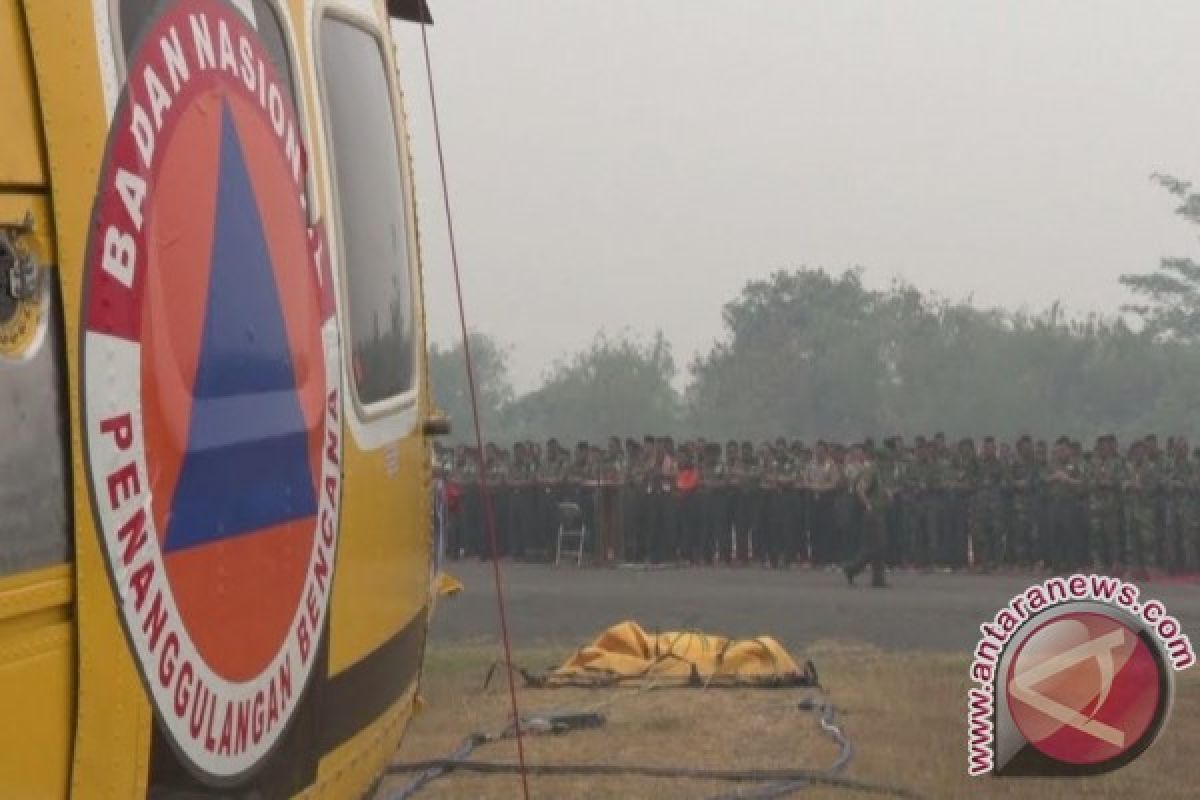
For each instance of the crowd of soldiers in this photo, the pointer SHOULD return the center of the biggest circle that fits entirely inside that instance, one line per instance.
(931, 504)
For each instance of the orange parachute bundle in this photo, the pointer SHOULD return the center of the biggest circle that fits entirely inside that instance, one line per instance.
(625, 655)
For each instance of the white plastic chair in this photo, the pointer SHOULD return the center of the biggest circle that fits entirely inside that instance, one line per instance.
(571, 531)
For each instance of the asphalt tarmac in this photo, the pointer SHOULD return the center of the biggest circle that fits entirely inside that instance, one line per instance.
(921, 611)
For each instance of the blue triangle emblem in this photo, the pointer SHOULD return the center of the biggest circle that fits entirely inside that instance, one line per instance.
(246, 466)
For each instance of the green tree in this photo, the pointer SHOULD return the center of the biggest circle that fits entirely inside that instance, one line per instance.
(448, 377)
(810, 354)
(618, 385)
(802, 353)
(1170, 296)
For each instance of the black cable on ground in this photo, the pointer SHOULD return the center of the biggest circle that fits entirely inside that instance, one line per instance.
(777, 783)
(731, 775)
(418, 783)
(533, 724)
(827, 718)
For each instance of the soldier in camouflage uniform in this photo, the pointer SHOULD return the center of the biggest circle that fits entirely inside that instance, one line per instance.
(1178, 483)
(666, 541)
(496, 470)
(468, 475)
(957, 479)
(632, 500)
(987, 480)
(521, 501)
(650, 505)
(784, 516)
(802, 458)
(690, 502)
(870, 491)
(1142, 484)
(745, 475)
(847, 510)
(1023, 474)
(611, 474)
(821, 483)
(1042, 502)
(1191, 540)
(459, 478)
(710, 502)
(580, 476)
(552, 489)
(1007, 455)
(768, 536)
(943, 470)
(921, 488)
(795, 544)
(533, 467)
(1080, 554)
(892, 468)
(1065, 491)
(650, 517)
(1158, 461)
(721, 478)
(1104, 477)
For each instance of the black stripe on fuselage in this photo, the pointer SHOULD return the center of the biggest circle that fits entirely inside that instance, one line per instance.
(333, 709)
(356, 696)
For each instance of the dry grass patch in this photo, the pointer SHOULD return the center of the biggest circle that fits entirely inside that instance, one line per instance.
(905, 713)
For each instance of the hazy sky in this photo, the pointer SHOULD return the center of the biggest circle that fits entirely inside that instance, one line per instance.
(632, 163)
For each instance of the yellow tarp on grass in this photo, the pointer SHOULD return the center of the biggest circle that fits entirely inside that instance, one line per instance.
(626, 655)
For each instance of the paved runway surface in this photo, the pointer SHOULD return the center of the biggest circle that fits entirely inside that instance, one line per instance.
(921, 611)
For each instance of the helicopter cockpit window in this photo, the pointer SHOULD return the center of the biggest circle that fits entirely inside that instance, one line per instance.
(372, 210)
(134, 15)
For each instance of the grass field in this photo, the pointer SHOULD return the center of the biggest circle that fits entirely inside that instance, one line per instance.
(904, 712)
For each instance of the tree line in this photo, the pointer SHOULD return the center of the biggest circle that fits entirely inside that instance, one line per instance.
(807, 354)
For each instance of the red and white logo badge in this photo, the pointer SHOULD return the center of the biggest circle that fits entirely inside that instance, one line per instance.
(211, 388)
(1075, 677)
(1084, 688)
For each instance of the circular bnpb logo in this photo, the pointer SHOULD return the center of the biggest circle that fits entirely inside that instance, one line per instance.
(211, 388)
(1088, 690)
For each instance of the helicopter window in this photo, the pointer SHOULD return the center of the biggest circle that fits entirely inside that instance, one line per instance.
(373, 210)
(134, 15)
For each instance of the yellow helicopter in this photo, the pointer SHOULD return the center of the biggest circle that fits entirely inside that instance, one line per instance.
(215, 557)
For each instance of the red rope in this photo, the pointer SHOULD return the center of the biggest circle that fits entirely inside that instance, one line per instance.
(488, 513)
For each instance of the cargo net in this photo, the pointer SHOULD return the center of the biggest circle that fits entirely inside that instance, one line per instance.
(626, 655)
